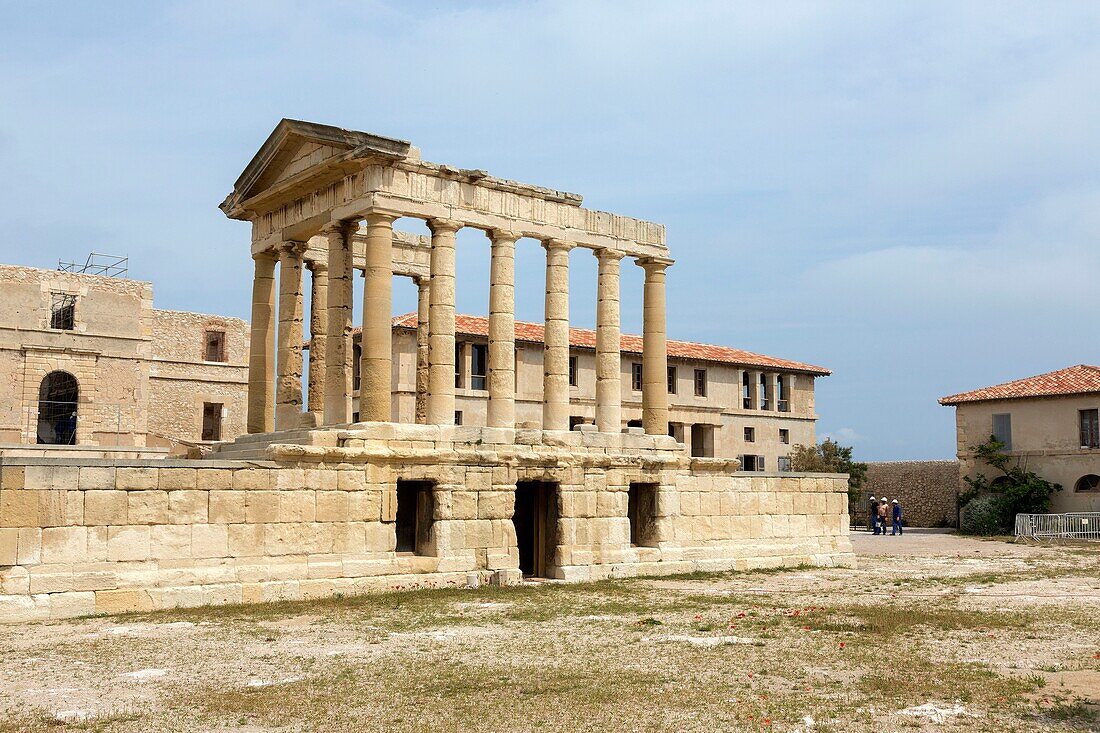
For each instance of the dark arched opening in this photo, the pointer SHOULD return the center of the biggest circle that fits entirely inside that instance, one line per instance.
(57, 402)
(1091, 482)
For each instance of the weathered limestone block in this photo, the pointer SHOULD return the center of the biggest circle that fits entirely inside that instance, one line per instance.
(228, 507)
(170, 542)
(495, 504)
(96, 477)
(297, 506)
(147, 507)
(74, 508)
(365, 506)
(51, 579)
(9, 545)
(64, 544)
(188, 507)
(176, 479)
(245, 540)
(389, 503)
(14, 581)
(97, 544)
(123, 601)
(131, 478)
(332, 506)
(209, 540)
(12, 477)
(252, 478)
(211, 479)
(105, 507)
(262, 507)
(128, 543)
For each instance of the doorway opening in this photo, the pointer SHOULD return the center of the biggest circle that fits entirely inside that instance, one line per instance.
(536, 522)
(413, 523)
(57, 404)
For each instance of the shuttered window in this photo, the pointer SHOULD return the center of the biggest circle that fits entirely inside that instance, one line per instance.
(1002, 429)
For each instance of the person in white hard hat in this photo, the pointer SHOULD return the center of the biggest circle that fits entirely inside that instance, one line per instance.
(872, 522)
(883, 512)
(896, 516)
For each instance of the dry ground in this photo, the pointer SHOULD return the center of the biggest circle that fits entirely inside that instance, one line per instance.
(931, 632)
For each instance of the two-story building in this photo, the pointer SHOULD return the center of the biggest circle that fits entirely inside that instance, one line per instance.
(88, 366)
(1049, 422)
(723, 402)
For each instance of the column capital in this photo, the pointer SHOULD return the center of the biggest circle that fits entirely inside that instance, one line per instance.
(557, 244)
(340, 226)
(444, 226)
(654, 264)
(499, 236)
(267, 254)
(603, 254)
(291, 248)
(381, 216)
(317, 265)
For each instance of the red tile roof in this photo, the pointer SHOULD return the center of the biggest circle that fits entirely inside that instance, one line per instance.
(586, 338)
(1080, 379)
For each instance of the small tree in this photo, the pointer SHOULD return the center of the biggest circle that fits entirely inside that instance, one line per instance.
(1015, 491)
(831, 457)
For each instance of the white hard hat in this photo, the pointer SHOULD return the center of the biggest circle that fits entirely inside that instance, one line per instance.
(872, 496)
(895, 501)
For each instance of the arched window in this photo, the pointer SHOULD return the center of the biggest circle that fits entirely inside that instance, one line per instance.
(57, 402)
(1091, 482)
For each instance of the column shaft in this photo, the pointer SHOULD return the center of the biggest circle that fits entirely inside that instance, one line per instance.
(654, 349)
(318, 330)
(608, 356)
(288, 387)
(555, 359)
(502, 331)
(338, 340)
(376, 366)
(261, 354)
(422, 314)
(441, 324)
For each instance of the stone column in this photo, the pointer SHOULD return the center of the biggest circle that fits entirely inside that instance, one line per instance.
(338, 342)
(422, 315)
(376, 366)
(318, 330)
(502, 331)
(770, 393)
(555, 355)
(261, 354)
(288, 386)
(754, 390)
(654, 348)
(608, 357)
(441, 324)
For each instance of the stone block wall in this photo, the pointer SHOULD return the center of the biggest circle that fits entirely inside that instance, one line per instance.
(927, 490)
(318, 518)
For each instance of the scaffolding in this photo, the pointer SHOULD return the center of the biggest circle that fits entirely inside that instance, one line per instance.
(98, 263)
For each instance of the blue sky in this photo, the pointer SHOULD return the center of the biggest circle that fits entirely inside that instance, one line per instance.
(907, 193)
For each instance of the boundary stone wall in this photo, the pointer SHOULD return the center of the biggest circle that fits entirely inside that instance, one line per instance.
(927, 490)
(89, 536)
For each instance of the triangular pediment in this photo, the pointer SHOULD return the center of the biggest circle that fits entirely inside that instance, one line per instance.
(298, 151)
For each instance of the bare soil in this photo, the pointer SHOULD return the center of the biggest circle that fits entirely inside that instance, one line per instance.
(931, 632)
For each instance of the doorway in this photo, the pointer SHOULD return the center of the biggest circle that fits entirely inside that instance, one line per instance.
(536, 522)
(58, 396)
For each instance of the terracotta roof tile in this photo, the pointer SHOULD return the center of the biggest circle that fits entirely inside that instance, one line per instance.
(1080, 379)
(586, 338)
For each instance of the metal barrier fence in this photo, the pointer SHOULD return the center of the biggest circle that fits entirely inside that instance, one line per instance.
(1057, 527)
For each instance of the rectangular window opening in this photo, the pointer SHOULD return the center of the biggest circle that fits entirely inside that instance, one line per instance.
(211, 421)
(672, 380)
(63, 311)
(636, 377)
(750, 435)
(458, 417)
(214, 346)
(458, 365)
(414, 516)
(573, 377)
(642, 514)
(784, 436)
(700, 382)
(479, 365)
(1002, 429)
(1090, 428)
(784, 463)
(702, 441)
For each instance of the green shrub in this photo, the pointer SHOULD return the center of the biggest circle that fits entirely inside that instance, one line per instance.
(983, 515)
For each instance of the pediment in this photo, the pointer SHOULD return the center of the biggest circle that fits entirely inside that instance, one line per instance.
(298, 151)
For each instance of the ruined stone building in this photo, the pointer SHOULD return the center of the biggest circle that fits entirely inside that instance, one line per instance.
(1048, 422)
(723, 402)
(90, 367)
(311, 503)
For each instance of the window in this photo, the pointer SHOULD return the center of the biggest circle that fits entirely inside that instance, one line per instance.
(784, 436)
(479, 360)
(458, 365)
(211, 421)
(356, 358)
(458, 417)
(641, 512)
(702, 441)
(636, 377)
(672, 380)
(746, 393)
(58, 402)
(62, 311)
(573, 371)
(752, 463)
(214, 346)
(1002, 429)
(783, 393)
(1090, 482)
(700, 382)
(413, 522)
(760, 463)
(750, 435)
(1090, 428)
(762, 388)
(784, 463)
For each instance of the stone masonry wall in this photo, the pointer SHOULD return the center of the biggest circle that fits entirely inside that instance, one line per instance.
(105, 536)
(927, 490)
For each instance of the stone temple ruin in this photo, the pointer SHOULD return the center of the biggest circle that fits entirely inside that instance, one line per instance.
(311, 504)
